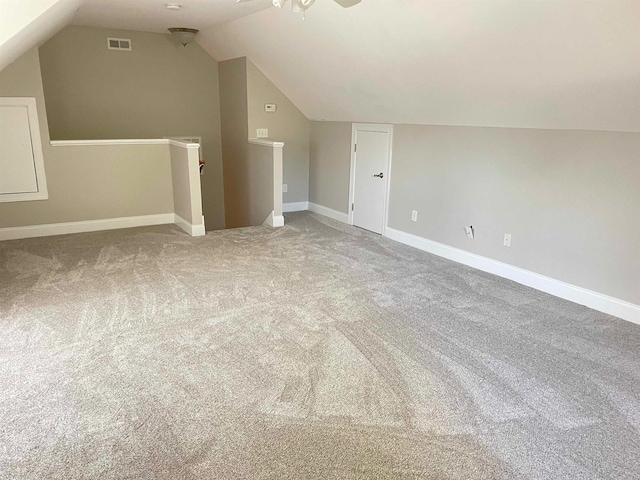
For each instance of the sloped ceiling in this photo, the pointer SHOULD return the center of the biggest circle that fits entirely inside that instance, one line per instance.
(25, 24)
(153, 15)
(559, 64)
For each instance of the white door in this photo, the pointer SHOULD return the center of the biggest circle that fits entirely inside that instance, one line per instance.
(370, 175)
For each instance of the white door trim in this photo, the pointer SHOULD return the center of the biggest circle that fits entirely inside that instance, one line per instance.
(372, 127)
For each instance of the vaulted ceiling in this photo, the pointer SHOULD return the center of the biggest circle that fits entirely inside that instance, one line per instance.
(561, 64)
(28, 23)
(25, 24)
(153, 15)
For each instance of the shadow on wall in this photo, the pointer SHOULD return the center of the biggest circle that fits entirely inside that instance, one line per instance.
(244, 92)
(157, 89)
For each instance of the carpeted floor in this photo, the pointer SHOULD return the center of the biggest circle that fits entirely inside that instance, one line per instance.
(314, 351)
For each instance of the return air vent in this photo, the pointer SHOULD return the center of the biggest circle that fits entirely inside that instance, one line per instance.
(119, 44)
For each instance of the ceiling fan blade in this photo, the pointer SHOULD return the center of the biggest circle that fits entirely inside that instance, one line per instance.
(347, 3)
(298, 6)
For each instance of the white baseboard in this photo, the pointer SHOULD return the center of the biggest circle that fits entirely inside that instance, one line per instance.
(329, 212)
(597, 301)
(274, 220)
(15, 233)
(191, 229)
(295, 207)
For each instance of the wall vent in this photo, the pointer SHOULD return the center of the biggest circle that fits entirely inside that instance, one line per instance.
(119, 44)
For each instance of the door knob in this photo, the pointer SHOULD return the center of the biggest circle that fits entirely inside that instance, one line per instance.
(379, 175)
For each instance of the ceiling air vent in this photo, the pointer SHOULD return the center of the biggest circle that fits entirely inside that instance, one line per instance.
(119, 44)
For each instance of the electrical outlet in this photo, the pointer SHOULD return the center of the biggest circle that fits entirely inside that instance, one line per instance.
(262, 132)
(284, 188)
(414, 215)
(469, 231)
(507, 240)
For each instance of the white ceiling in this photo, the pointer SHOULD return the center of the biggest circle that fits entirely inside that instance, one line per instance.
(26, 24)
(153, 16)
(561, 64)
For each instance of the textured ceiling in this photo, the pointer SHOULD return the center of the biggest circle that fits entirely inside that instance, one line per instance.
(558, 64)
(153, 16)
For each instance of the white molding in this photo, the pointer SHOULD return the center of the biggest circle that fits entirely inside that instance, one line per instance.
(295, 207)
(274, 220)
(193, 230)
(266, 143)
(329, 212)
(183, 144)
(375, 127)
(14, 233)
(178, 141)
(123, 141)
(598, 301)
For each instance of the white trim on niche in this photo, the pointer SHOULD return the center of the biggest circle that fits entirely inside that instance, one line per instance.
(603, 303)
(329, 212)
(29, 231)
(36, 149)
(295, 207)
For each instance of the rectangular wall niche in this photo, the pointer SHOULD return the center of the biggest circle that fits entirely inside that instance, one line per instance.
(22, 176)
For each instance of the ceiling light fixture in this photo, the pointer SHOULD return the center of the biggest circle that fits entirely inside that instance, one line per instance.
(184, 35)
(174, 6)
(296, 5)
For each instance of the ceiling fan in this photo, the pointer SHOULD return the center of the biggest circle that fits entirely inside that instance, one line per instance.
(302, 5)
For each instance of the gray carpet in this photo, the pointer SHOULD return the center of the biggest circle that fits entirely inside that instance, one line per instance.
(314, 351)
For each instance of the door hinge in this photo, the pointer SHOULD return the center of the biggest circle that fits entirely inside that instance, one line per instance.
(352, 205)
(355, 147)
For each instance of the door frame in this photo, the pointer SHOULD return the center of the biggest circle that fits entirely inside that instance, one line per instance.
(372, 127)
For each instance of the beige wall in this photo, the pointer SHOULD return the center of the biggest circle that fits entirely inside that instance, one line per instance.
(86, 183)
(286, 125)
(568, 198)
(260, 182)
(185, 178)
(233, 114)
(329, 158)
(243, 92)
(158, 89)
